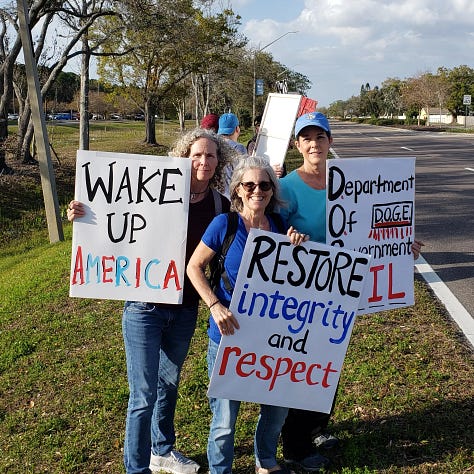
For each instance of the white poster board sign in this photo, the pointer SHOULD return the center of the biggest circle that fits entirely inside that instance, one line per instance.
(296, 308)
(277, 126)
(371, 209)
(131, 243)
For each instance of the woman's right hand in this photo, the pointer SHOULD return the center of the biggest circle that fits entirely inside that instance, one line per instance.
(296, 238)
(75, 209)
(224, 319)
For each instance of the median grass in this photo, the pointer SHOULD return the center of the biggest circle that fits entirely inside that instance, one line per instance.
(405, 401)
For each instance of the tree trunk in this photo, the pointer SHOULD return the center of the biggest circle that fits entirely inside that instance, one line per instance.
(6, 93)
(84, 95)
(150, 132)
(181, 114)
(26, 145)
(23, 143)
(3, 136)
(195, 82)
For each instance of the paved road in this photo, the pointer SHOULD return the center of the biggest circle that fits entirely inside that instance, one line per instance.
(444, 193)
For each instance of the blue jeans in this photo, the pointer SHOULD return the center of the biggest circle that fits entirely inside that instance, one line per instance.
(156, 344)
(220, 446)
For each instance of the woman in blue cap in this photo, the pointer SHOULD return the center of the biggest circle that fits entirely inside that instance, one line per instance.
(304, 191)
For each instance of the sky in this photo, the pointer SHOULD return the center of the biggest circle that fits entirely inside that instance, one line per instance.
(341, 44)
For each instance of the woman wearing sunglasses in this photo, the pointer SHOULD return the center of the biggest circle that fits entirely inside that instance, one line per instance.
(254, 192)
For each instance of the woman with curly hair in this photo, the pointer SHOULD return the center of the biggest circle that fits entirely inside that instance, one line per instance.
(157, 336)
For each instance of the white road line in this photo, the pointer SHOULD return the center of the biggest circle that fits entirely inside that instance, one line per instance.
(457, 311)
(333, 152)
(469, 169)
(406, 148)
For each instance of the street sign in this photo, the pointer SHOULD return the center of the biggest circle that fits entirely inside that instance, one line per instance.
(466, 99)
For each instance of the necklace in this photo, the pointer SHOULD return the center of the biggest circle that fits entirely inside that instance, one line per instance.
(262, 225)
(195, 195)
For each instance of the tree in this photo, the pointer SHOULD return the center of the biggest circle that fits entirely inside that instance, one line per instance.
(461, 82)
(352, 106)
(391, 96)
(370, 100)
(51, 60)
(336, 109)
(169, 40)
(90, 40)
(10, 47)
(426, 91)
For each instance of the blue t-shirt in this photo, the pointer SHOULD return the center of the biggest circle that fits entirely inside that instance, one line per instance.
(213, 238)
(237, 146)
(305, 207)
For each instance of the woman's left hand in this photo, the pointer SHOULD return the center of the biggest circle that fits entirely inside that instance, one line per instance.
(75, 209)
(296, 238)
(416, 248)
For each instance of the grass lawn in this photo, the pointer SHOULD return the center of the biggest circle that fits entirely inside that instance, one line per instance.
(406, 397)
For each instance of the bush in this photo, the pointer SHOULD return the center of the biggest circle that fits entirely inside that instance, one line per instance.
(245, 118)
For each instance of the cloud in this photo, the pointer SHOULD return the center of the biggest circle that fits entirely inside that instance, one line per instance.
(341, 44)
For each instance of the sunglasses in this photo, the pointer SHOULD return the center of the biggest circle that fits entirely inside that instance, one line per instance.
(249, 186)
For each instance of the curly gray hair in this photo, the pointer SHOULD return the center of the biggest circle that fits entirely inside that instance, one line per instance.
(254, 162)
(226, 155)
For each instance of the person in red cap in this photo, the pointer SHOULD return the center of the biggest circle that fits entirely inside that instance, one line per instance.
(210, 122)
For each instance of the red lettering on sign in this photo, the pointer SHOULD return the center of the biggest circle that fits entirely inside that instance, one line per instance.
(172, 273)
(375, 297)
(391, 294)
(246, 365)
(107, 269)
(78, 267)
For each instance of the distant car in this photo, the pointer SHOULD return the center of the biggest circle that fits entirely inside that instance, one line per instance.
(97, 117)
(13, 116)
(139, 117)
(62, 116)
(115, 117)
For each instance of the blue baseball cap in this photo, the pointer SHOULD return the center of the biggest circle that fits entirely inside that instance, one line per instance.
(227, 124)
(315, 119)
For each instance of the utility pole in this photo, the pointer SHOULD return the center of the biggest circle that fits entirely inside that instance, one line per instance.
(259, 50)
(48, 183)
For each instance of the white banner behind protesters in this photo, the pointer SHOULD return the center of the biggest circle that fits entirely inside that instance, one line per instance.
(371, 209)
(296, 307)
(131, 243)
(277, 124)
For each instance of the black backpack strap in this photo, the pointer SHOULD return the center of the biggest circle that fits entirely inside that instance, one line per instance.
(217, 201)
(217, 268)
(217, 263)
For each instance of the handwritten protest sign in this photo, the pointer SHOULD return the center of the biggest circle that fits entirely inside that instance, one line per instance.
(371, 209)
(296, 307)
(131, 244)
